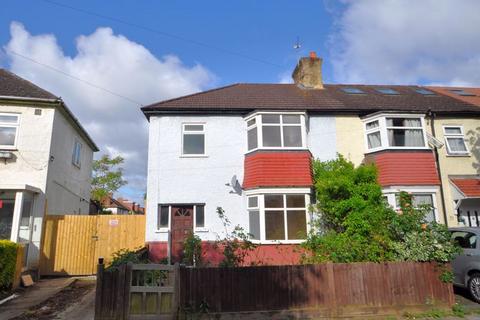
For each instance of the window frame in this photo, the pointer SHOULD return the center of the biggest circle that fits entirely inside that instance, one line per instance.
(261, 193)
(16, 126)
(383, 129)
(392, 193)
(169, 205)
(460, 135)
(203, 132)
(77, 162)
(259, 125)
(195, 228)
(167, 228)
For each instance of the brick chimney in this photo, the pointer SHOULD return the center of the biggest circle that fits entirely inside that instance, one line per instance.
(308, 72)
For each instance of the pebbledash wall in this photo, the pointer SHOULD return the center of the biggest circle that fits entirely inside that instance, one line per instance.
(176, 179)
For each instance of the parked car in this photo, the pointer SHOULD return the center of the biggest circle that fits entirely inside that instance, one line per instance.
(466, 266)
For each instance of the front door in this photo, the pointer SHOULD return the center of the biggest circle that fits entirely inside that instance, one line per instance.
(182, 225)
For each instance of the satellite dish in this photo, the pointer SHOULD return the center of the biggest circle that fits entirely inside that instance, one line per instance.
(236, 186)
(233, 181)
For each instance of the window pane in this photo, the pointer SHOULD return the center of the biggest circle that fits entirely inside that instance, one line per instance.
(292, 136)
(271, 136)
(163, 218)
(193, 127)
(405, 138)
(273, 201)
(297, 224)
(274, 225)
(7, 136)
(404, 122)
(253, 202)
(252, 138)
(270, 118)
(295, 201)
(291, 119)
(453, 130)
(200, 216)
(374, 140)
(193, 144)
(251, 122)
(254, 224)
(372, 125)
(457, 144)
(8, 118)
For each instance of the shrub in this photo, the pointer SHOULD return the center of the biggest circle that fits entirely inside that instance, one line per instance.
(8, 261)
(124, 256)
(192, 250)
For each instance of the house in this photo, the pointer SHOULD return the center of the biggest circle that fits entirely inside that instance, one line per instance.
(115, 206)
(45, 162)
(248, 148)
(132, 206)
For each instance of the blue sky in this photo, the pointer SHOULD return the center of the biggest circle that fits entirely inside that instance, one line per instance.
(361, 41)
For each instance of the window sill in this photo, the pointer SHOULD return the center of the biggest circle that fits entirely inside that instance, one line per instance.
(194, 156)
(275, 242)
(3, 148)
(162, 230)
(201, 229)
(397, 149)
(277, 149)
(459, 155)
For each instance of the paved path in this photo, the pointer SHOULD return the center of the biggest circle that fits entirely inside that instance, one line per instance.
(41, 291)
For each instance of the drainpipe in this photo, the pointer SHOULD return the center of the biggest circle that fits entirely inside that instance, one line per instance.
(431, 116)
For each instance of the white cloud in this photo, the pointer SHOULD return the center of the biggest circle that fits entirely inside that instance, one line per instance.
(118, 64)
(407, 41)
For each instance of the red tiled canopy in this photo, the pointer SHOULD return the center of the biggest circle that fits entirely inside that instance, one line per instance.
(278, 169)
(469, 187)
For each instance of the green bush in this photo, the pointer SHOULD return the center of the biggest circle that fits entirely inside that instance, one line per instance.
(192, 250)
(124, 256)
(8, 261)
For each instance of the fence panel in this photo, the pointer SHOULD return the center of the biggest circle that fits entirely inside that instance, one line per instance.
(72, 244)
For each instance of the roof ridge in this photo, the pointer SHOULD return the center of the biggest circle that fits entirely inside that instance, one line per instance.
(28, 82)
(190, 95)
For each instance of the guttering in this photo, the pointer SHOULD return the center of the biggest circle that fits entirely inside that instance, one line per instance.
(30, 99)
(431, 116)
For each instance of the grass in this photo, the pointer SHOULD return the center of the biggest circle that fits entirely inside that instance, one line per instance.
(458, 311)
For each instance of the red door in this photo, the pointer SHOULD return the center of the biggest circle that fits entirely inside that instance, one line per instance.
(182, 225)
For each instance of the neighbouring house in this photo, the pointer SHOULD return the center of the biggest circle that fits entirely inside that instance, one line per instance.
(248, 149)
(132, 206)
(115, 206)
(45, 162)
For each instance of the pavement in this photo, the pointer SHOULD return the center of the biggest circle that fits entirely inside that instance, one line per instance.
(32, 296)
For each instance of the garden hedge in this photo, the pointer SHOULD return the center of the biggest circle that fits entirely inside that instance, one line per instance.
(8, 261)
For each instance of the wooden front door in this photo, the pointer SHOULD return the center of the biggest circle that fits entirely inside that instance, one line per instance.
(182, 225)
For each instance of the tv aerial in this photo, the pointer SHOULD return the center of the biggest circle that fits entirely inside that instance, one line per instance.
(297, 44)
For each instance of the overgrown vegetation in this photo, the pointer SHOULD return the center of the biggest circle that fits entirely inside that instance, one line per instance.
(8, 261)
(124, 256)
(353, 222)
(235, 245)
(107, 177)
(192, 250)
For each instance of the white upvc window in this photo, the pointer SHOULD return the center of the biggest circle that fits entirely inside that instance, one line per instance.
(276, 217)
(77, 153)
(193, 139)
(455, 140)
(419, 197)
(399, 131)
(273, 130)
(9, 123)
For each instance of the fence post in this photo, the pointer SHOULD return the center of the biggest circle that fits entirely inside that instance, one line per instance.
(98, 292)
(331, 286)
(126, 294)
(176, 295)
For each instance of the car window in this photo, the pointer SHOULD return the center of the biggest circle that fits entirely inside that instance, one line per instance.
(466, 240)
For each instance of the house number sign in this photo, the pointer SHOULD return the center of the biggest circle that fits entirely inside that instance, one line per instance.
(113, 222)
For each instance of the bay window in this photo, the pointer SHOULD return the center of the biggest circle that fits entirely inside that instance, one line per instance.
(455, 140)
(9, 124)
(395, 132)
(276, 131)
(420, 198)
(278, 217)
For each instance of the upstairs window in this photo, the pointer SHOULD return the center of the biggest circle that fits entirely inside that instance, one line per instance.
(193, 139)
(276, 131)
(395, 132)
(9, 124)
(77, 153)
(455, 140)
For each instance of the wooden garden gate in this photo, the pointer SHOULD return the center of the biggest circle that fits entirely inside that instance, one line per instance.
(72, 244)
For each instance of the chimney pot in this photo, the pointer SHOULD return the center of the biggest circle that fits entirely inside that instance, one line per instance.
(313, 54)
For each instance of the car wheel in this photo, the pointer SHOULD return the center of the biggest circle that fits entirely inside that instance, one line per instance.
(474, 286)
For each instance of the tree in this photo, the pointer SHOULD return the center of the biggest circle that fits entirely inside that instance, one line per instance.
(107, 177)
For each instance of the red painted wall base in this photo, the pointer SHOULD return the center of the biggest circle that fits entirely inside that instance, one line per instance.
(274, 254)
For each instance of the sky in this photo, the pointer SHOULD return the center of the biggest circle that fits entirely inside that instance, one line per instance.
(135, 53)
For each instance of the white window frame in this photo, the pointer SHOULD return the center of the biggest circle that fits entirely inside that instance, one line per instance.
(184, 132)
(392, 192)
(77, 162)
(383, 128)
(460, 135)
(164, 229)
(260, 193)
(16, 126)
(195, 228)
(259, 125)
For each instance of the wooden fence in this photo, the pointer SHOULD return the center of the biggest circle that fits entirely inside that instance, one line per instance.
(323, 286)
(72, 244)
(137, 291)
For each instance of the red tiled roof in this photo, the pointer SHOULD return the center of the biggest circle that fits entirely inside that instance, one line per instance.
(278, 169)
(247, 97)
(405, 168)
(469, 187)
(474, 98)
